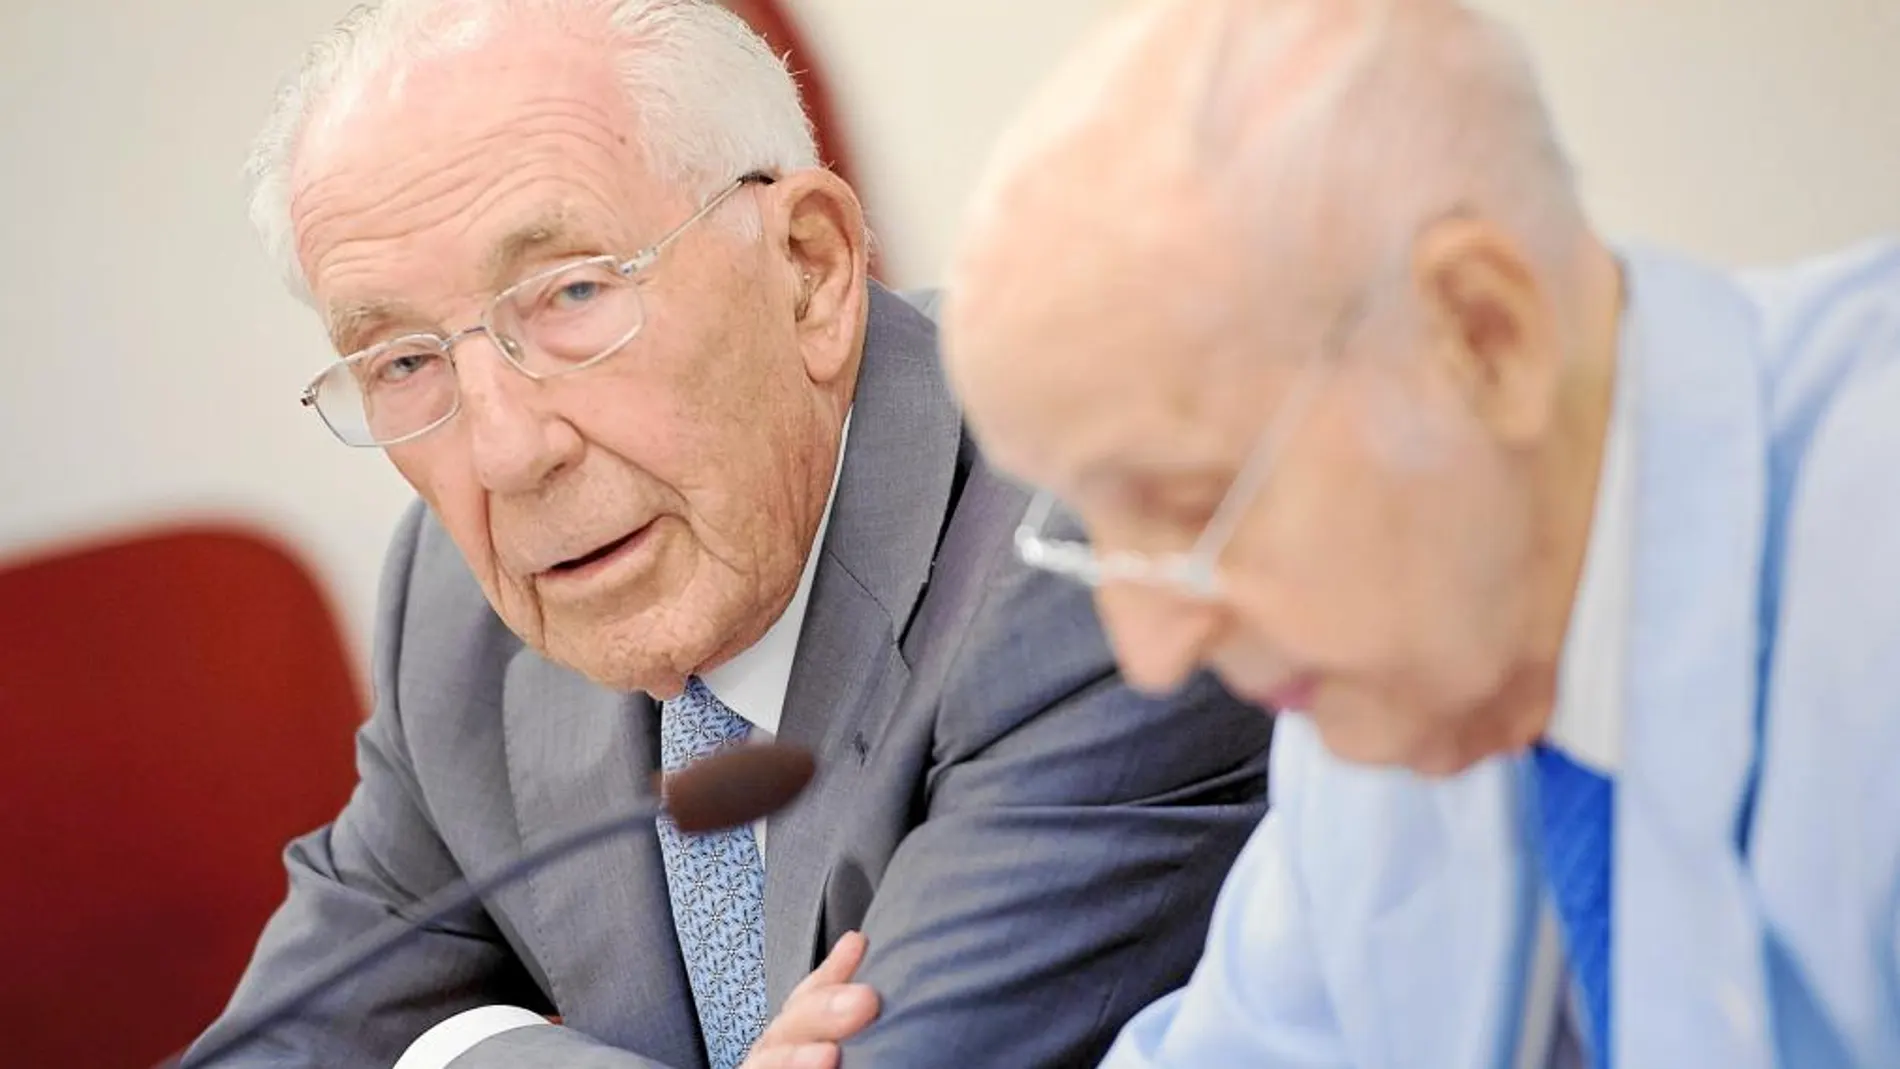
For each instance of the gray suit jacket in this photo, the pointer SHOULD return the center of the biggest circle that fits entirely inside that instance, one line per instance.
(1032, 848)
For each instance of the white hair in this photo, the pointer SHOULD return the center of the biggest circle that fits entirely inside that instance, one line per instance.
(713, 102)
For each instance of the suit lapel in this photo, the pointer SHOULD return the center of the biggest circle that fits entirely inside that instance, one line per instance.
(894, 489)
(1688, 977)
(600, 920)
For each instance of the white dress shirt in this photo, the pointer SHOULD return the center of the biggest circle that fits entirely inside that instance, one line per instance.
(754, 685)
(1587, 723)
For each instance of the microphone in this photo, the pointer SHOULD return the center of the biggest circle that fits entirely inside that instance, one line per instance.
(730, 788)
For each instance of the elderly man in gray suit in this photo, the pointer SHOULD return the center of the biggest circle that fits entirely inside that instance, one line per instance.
(692, 478)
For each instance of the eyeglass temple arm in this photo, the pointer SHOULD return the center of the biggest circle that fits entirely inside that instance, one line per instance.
(643, 259)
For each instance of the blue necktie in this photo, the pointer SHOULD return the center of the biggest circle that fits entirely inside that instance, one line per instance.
(1576, 807)
(716, 883)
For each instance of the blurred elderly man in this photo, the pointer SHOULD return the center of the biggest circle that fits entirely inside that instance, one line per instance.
(1566, 554)
(606, 314)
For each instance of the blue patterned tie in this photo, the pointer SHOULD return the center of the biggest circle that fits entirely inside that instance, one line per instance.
(1577, 806)
(717, 886)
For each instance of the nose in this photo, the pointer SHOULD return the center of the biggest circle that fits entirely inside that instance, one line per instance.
(1159, 637)
(516, 442)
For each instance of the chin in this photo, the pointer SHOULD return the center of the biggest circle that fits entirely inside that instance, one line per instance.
(613, 672)
(623, 654)
(1432, 758)
(1444, 761)
(1413, 740)
(660, 682)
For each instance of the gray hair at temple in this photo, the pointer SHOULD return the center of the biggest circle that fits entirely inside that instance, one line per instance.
(713, 101)
(1326, 132)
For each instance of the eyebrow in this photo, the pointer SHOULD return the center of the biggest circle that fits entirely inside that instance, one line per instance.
(505, 256)
(1124, 477)
(354, 323)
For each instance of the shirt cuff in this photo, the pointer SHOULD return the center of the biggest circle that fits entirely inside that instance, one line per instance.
(459, 1034)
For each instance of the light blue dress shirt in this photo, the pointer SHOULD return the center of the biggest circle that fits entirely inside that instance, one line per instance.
(1748, 706)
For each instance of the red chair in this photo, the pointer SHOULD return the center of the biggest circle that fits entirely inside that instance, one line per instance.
(173, 709)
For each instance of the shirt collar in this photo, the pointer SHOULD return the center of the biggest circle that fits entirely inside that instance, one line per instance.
(754, 683)
(1587, 723)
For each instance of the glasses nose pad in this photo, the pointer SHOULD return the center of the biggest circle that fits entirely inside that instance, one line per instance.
(510, 349)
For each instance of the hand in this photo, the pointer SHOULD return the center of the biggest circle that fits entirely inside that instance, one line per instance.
(823, 1009)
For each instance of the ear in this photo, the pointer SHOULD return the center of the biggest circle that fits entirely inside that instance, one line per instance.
(1491, 323)
(821, 239)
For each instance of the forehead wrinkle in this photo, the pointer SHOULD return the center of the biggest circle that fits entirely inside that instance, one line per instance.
(359, 213)
(445, 188)
(561, 129)
(515, 125)
(561, 221)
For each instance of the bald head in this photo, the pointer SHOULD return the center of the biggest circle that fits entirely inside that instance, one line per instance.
(1253, 156)
(1210, 200)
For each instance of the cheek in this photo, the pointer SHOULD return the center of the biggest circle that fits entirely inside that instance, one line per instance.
(1328, 557)
(684, 396)
(705, 414)
(1455, 611)
(1389, 551)
(433, 467)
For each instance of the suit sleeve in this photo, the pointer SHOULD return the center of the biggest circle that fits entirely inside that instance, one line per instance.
(1074, 836)
(377, 860)
(1257, 997)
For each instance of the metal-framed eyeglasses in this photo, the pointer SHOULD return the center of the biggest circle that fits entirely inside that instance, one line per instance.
(556, 322)
(1195, 571)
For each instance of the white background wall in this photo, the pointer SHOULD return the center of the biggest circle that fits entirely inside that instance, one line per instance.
(151, 359)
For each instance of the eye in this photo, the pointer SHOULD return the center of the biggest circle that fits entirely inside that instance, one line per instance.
(1191, 515)
(396, 368)
(576, 292)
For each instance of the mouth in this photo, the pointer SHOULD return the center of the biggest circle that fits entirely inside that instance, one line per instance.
(600, 558)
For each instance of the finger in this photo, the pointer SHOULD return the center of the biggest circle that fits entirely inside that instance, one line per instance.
(845, 957)
(822, 1015)
(802, 1056)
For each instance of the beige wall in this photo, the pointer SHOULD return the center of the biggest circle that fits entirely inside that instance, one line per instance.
(926, 85)
(152, 360)
(1744, 130)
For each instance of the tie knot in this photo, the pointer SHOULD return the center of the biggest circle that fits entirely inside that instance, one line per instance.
(1559, 773)
(695, 724)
